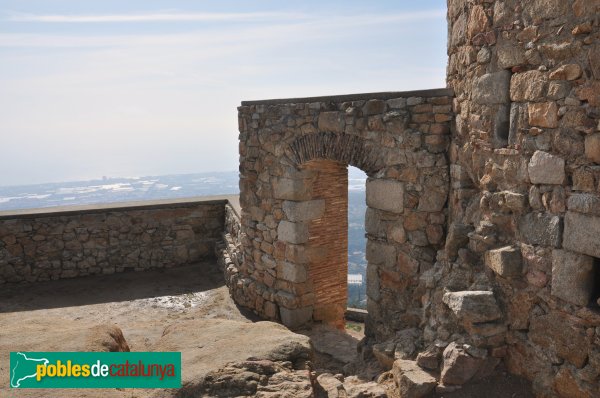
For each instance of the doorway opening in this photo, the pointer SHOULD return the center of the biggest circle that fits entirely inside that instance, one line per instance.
(357, 241)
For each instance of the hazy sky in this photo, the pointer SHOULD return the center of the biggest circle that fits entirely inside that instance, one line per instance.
(146, 87)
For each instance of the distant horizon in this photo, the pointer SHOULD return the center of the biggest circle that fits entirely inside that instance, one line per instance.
(100, 179)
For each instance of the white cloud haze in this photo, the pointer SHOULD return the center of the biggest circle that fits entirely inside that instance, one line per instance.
(77, 105)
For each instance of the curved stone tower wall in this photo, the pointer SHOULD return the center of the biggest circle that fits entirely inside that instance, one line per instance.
(524, 208)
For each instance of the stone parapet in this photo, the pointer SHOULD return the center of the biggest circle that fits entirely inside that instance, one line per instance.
(66, 242)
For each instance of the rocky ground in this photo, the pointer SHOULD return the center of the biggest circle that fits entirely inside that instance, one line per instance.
(225, 352)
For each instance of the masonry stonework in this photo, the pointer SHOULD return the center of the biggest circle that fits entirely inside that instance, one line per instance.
(293, 191)
(55, 244)
(480, 249)
(525, 184)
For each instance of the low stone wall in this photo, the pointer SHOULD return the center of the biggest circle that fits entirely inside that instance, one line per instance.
(66, 242)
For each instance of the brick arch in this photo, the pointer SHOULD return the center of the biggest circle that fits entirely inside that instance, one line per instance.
(344, 148)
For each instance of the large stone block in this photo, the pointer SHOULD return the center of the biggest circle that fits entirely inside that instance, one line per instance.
(459, 366)
(295, 318)
(541, 229)
(528, 86)
(331, 121)
(572, 276)
(543, 114)
(373, 287)
(584, 203)
(505, 261)
(433, 199)
(387, 195)
(556, 333)
(412, 381)
(457, 238)
(473, 305)
(292, 232)
(545, 168)
(545, 9)
(582, 234)
(292, 188)
(381, 254)
(304, 211)
(492, 88)
(291, 272)
(509, 54)
(592, 147)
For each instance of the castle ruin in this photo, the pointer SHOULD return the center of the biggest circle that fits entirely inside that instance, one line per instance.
(483, 218)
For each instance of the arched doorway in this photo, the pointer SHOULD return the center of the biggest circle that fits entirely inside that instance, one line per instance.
(293, 182)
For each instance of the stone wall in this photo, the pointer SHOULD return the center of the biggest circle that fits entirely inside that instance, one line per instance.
(290, 152)
(524, 207)
(69, 242)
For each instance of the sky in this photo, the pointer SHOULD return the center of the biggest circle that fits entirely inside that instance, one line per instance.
(146, 87)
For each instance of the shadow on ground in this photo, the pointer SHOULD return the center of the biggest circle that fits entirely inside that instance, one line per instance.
(188, 281)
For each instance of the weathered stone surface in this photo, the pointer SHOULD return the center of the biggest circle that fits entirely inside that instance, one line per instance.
(459, 367)
(556, 333)
(430, 358)
(567, 386)
(509, 54)
(291, 272)
(331, 121)
(387, 195)
(594, 60)
(592, 147)
(589, 92)
(528, 86)
(545, 168)
(433, 199)
(259, 378)
(373, 107)
(545, 9)
(412, 381)
(581, 234)
(402, 346)
(478, 22)
(572, 276)
(492, 88)
(295, 318)
(566, 72)
(304, 211)
(292, 232)
(473, 306)
(381, 253)
(270, 341)
(541, 229)
(356, 388)
(505, 261)
(291, 189)
(331, 385)
(543, 114)
(585, 203)
(457, 238)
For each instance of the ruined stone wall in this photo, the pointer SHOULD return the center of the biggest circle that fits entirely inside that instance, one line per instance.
(49, 244)
(519, 274)
(400, 140)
